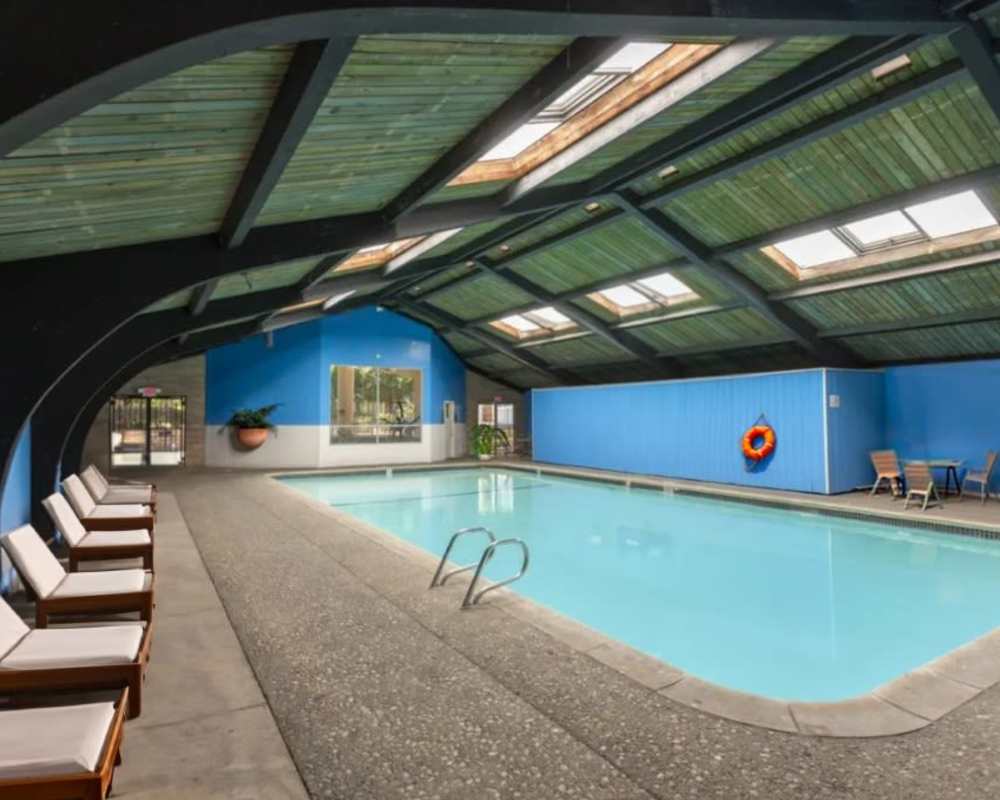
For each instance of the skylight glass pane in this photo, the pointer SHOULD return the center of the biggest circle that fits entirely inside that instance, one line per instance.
(882, 228)
(625, 296)
(814, 249)
(520, 140)
(519, 323)
(666, 285)
(372, 247)
(632, 56)
(956, 213)
(550, 315)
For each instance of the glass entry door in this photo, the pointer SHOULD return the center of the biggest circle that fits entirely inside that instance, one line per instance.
(147, 431)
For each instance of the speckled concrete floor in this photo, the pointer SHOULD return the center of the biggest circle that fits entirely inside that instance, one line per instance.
(384, 690)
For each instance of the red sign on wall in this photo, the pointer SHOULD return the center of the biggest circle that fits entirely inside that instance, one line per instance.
(148, 391)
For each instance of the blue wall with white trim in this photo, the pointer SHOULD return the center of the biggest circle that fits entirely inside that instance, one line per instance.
(944, 411)
(295, 370)
(856, 426)
(687, 428)
(15, 502)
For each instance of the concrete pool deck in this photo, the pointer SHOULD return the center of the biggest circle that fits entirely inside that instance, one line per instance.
(383, 689)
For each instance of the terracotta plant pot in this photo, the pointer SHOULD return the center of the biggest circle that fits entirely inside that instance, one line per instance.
(252, 438)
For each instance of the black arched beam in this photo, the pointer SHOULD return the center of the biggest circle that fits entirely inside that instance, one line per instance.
(55, 414)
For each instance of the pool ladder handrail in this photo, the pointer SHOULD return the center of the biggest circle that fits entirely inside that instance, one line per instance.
(471, 596)
(439, 579)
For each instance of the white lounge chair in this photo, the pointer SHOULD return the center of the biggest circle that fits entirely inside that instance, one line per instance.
(62, 751)
(105, 518)
(86, 593)
(81, 659)
(87, 545)
(105, 493)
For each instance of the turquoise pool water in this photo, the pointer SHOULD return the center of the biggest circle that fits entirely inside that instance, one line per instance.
(789, 605)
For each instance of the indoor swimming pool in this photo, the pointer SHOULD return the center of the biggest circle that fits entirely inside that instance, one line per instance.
(786, 604)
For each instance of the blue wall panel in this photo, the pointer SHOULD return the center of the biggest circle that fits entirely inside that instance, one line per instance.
(15, 505)
(856, 427)
(687, 429)
(944, 411)
(295, 371)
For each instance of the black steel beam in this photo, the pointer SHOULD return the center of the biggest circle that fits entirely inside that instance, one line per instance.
(201, 296)
(312, 71)
(740, 285)
(140, 44)
(977, 50)
(580, 58)
(924, 323)
(444, 319)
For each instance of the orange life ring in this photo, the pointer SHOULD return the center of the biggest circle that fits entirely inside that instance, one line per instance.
(765, 432)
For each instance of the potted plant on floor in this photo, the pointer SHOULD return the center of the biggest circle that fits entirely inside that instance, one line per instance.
(486, 439)
(252, 425)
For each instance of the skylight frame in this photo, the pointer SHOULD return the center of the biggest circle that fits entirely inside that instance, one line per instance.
(543, 325)
(653, 299)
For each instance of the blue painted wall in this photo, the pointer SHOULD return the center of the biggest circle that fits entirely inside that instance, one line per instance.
(856, 427)
(687, 429)
(944, 411)
(15, 502)
(296, 370)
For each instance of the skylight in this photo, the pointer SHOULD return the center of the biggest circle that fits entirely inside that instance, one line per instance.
(814, 249)
(332, 301)
(551, 316)
(630, 58)
(956, 213)
(625, 296)
(666, 285)
(882, 229)
(520, 324)
(373, 247)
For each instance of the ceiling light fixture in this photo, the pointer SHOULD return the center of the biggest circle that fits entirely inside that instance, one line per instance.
(891, 66)
(667, 171)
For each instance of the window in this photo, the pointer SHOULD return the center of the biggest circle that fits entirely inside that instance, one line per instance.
(882, 230)
(625, 296)
(956, 213)
(814, 249)
(374, 405)
(665, 285)
(609, 74)
(923, 222)
(536, 322)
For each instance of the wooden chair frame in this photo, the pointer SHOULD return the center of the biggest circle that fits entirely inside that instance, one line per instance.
(144, 522)
(110, 552)
(85, 678)
(918, 476)
(94, 785)
(91, 605)
(883, 472)
(982, 477)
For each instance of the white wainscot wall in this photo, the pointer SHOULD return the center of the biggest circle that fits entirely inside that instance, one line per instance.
(308, 446)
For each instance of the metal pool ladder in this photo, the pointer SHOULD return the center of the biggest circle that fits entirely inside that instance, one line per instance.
(472, 597)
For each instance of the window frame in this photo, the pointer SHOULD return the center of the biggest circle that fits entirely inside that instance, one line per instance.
(377, 426)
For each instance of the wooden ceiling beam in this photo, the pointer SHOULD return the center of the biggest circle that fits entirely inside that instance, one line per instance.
(740, 285)
(313, 70)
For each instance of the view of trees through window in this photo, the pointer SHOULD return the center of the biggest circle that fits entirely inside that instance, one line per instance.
(374, 405)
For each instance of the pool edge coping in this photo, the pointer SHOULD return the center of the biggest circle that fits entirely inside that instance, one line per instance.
(910, 702)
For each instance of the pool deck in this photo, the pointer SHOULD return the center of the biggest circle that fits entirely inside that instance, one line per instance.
(383, 689)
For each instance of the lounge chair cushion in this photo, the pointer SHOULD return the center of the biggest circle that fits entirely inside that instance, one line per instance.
(34, 560)
(83, 504)
(113, 538)
(75, 647)
(127, 494)
(119, 511)
(94, 481)
(12, 628)
(105, 484)
(53, 741)
(64, 518)
(115, 581)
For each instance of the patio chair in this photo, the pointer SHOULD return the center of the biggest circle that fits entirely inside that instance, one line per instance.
(109, 482)
(105, 518)
(87, 545)
(982, 476)
(920, 483)
(61, 752)
(886, 469)
(84, 593)
(73, 659)
(105, 494)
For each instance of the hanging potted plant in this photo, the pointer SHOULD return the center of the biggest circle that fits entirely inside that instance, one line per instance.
(252, 425)
(485, 441)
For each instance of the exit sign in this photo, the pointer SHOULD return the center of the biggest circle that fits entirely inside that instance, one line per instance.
(148, 391)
